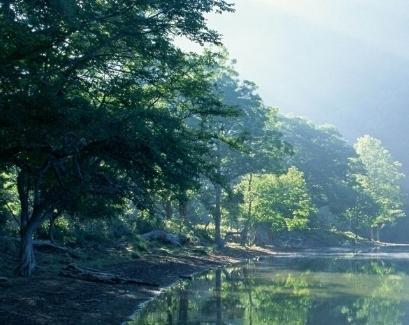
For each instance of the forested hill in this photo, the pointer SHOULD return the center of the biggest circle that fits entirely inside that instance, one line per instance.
(110, 134)
(381, 113)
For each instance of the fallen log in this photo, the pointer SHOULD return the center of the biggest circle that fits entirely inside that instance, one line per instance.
(49, 245)
(92, 275)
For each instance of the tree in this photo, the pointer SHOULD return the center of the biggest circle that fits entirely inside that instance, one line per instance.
(380, 180)
(323, 155)
(281, 200)
(248, 141)
(95, 100)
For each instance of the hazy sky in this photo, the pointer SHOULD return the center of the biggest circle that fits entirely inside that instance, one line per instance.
(338, 61)
(343, 62)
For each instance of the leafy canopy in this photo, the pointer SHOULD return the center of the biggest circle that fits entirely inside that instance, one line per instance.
(282, 200)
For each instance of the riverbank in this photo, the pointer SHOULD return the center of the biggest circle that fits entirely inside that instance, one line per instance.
(49, 298)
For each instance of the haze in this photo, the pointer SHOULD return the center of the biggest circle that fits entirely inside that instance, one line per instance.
(344, 62)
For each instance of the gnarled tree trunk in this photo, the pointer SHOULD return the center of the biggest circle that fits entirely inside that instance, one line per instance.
(30, 219)
(26, 255)
(27, 262)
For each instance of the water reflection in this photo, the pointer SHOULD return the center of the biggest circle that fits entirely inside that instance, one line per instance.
(330, 289)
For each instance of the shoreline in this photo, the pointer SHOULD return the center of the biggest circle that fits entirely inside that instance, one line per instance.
(248, 254)
(49, 298)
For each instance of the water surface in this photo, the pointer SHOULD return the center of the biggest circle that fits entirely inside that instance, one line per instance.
(309, 287)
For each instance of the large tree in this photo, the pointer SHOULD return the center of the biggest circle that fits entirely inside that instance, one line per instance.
(94, 99)
(380, 179)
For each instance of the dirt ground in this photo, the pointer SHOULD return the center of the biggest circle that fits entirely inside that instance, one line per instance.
(49, 298)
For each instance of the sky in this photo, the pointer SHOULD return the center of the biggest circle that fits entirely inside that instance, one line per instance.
(343, 62)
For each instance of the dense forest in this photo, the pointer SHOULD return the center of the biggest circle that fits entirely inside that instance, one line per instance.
(109, 131)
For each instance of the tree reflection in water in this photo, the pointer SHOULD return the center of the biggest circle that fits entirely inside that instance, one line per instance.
(289, 291)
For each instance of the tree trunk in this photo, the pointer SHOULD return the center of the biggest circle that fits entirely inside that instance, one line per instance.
(183, 209)
(372, 237)
(217, 216)
(33, 210)
(23, 193)
(27, 260)
(51, 230)
(54, 216)
(168, 209)
(377, 233)
(26, 255)
(245, 232)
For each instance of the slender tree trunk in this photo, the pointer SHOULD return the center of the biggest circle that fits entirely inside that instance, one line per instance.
(168, 209)
(183, 209)
(245, 232)
(377, 233)
(53, 218)
(218, 216)
(372, 237)
(51, 229)
(23, 193)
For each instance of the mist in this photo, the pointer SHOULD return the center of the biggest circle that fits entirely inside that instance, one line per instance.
(338, 62)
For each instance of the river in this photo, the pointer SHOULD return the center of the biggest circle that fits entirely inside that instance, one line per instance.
(306, 287)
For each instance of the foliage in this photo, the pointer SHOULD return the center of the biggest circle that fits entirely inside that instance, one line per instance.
(323, 155)
(108, 129)
(380, 180)
(282, 200)
(95, 100)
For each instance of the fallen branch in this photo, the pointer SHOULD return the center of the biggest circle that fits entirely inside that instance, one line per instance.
(92, 275)
(49, 245)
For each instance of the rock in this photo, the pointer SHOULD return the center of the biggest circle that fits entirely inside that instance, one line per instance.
(164, 237)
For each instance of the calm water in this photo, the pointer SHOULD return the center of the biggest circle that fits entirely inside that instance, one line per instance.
(302, 288)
